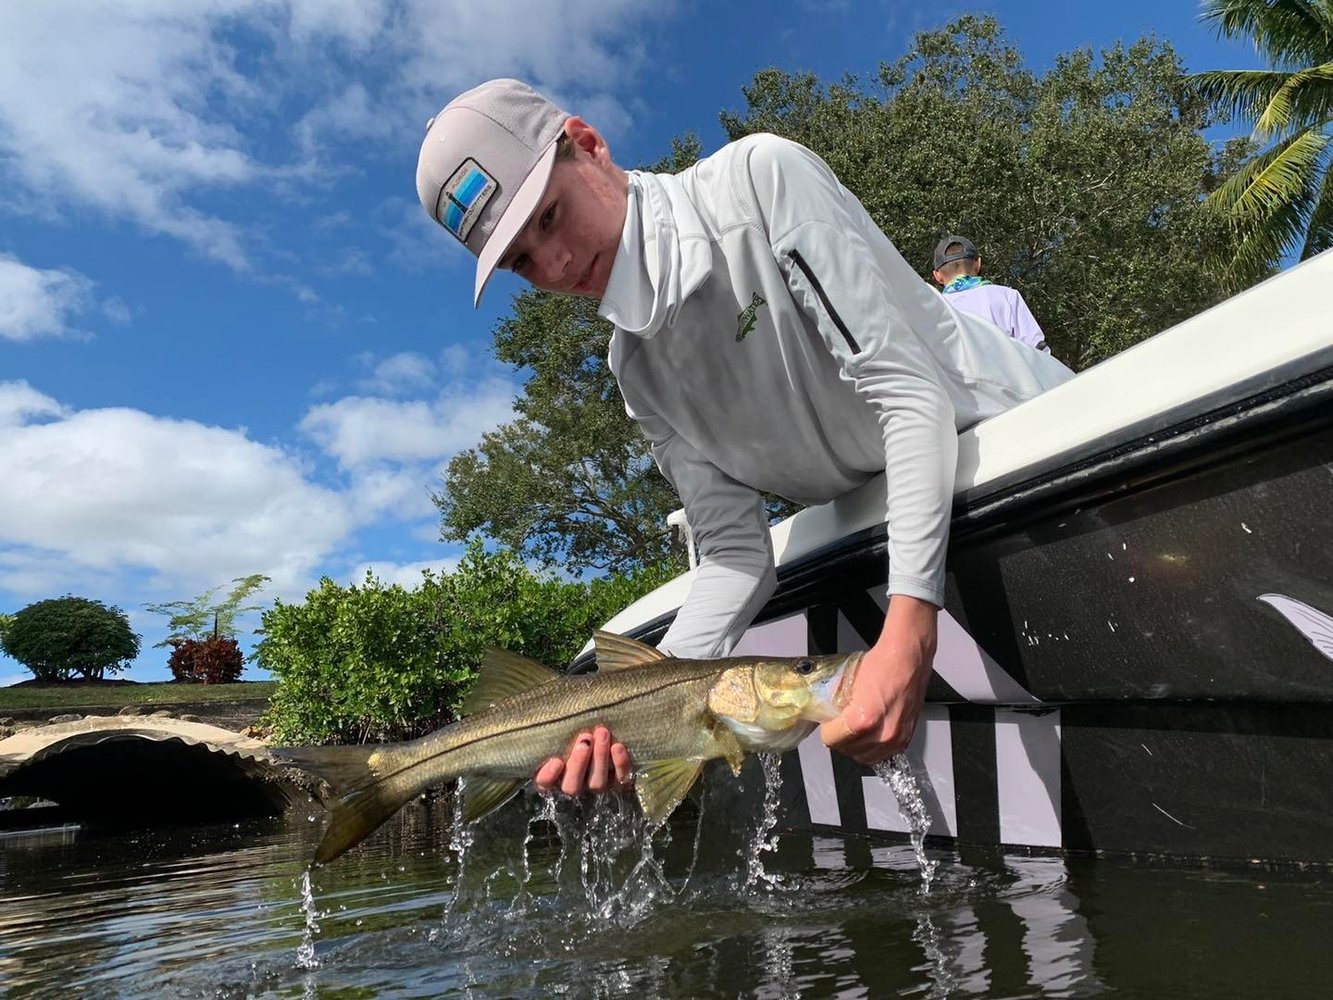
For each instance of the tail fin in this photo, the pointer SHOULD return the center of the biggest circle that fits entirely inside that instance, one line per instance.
(370, 785)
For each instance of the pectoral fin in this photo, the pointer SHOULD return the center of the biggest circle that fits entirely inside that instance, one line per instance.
(484, 795)
(728, 746)
(661, 784)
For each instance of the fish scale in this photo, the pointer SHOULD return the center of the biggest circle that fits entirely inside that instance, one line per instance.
(647, 706)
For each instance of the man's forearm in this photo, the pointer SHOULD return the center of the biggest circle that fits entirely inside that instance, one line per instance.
(911, 624)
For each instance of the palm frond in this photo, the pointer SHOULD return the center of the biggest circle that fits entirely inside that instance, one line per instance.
(1246, 93)
(1286, 31)
(1319, 229)
(1305, 99)
(1263, 244)
(1285, 174)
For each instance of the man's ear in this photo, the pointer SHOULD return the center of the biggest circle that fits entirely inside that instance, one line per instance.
(586, 138)
(939, 280)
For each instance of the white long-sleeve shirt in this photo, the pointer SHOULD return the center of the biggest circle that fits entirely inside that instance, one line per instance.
(770, 338)
(1003, 306)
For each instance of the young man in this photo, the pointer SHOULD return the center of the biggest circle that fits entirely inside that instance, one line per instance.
(958, 272)
(768, 337)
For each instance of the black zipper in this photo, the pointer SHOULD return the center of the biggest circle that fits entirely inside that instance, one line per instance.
(799, 261)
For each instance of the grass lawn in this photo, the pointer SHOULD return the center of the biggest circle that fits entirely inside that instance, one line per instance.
(76, 695)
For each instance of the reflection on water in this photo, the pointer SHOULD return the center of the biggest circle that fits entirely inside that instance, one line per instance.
(555, 899)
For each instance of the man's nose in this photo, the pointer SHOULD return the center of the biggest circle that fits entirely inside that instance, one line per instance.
(553, 259)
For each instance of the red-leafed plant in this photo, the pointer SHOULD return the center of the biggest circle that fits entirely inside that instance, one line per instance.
(216, 660)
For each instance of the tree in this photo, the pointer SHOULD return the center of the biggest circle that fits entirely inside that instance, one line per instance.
(1081, 185)
(66, 636)
(1280, 202)
(203, 617)
(1084, 186)
(571, 480)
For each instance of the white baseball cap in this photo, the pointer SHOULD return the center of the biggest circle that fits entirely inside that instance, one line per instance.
(484, 166)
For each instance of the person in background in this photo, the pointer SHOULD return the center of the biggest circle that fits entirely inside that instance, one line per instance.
(958, 272)
(768, 337)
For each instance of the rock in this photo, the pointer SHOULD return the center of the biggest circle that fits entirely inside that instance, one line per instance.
(67, 717)
(6, 721)
(187, 717)
(161, 713)
(131, 710)
(6, 732)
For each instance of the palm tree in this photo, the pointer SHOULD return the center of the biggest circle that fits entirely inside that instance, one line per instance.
(1281, 200)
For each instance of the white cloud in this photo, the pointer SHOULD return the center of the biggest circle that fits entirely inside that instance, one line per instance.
(400, 373)
(117, 311)
(142, 111)
(20, 403)
(39, 303)
(113, 490)
(361, 431)
(403, 493)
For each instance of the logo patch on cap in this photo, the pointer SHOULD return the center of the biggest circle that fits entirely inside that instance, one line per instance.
(463, 197)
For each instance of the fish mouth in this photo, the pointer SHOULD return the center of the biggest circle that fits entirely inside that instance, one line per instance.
(832, 693)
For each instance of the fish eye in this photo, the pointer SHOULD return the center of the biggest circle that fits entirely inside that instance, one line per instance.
(804, 667)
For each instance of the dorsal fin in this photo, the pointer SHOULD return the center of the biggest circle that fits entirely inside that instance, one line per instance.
(617, 652)
(504, 674)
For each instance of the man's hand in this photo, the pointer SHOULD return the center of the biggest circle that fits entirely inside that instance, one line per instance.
(610, 766)
(889, 685)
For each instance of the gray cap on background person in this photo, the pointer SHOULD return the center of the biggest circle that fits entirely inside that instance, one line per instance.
(968, 251)
(484, 166)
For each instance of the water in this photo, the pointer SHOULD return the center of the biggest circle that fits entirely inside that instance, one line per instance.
(222, 912)
(897, 773)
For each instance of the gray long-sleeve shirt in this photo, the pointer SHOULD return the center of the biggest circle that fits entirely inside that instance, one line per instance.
(770, 338)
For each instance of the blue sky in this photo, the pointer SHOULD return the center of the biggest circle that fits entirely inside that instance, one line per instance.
(230, 340)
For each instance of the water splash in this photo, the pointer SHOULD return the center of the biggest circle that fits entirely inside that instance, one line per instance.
(764, 840)
(698, 840)
(897, 773)
(620, 872)
(523, 895)
(305, 952)
(461, 838)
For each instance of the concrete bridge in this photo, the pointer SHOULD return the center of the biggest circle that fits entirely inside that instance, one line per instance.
(142, 771)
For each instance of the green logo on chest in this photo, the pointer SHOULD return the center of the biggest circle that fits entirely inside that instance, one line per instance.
(747, 318)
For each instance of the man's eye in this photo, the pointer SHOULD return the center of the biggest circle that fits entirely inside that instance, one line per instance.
(519, 263)
(547, 217)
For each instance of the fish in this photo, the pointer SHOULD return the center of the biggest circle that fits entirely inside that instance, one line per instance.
(674, 715)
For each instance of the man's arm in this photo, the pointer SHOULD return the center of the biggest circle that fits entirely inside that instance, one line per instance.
(735, 576)
(734, 579)
(857, 294)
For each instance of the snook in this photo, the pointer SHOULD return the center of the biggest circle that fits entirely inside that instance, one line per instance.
(673, 715)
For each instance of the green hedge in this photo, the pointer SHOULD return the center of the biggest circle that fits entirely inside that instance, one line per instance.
(381, 662)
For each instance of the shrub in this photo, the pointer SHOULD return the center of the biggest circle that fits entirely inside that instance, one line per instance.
(381, 662)
(208, 661)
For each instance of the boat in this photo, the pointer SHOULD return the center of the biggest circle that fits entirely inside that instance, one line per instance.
(1136, 649)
